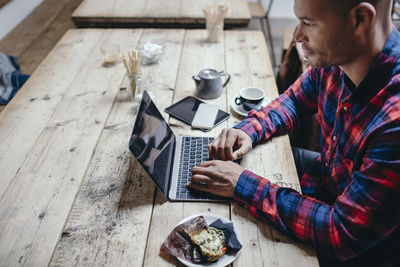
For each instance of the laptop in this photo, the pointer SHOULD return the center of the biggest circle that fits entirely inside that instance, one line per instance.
(168, 159)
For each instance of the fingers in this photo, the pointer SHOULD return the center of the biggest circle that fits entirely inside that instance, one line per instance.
(216, 177)
(200, 183)
(214, 147)
(231, 139)
(222, 146)
(240, 152)
(205, 164)
(201, 179)
(211, 148)
(243, 145)
(199, 187)
(204, 169)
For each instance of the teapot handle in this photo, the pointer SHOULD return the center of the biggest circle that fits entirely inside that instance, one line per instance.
(227, 79)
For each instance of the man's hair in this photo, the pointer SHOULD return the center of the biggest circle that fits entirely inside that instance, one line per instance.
(352, 3)
(343, 6)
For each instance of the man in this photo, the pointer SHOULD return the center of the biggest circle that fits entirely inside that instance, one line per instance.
(350, 210)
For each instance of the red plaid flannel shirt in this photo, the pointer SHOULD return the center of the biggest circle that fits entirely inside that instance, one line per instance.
(350, 206)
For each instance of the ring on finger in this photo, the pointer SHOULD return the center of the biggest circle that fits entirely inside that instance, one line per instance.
(200, 183)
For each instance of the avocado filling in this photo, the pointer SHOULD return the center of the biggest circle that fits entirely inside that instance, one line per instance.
(211, 242)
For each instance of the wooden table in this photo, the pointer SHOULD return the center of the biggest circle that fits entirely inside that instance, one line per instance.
(72, 193)
(156, 13)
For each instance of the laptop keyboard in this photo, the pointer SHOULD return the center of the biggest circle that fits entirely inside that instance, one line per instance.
(194, 150)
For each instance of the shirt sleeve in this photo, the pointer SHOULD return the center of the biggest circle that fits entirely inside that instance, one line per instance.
(280, 116)
(365, 213)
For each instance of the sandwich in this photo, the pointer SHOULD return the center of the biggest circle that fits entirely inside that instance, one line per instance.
(210, 241)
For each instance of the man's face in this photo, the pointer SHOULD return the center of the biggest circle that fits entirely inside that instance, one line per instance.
(325, 36)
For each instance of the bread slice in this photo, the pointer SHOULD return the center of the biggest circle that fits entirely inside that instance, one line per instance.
(211, 242)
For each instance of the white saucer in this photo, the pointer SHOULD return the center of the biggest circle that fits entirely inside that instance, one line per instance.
(240, 110)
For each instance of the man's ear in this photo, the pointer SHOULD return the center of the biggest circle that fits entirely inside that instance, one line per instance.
(363, 16)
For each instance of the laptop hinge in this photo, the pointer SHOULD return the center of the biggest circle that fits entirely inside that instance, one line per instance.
(170, 159)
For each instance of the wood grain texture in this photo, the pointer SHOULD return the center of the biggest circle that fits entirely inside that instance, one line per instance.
(42, 44)
(71, 193)
(248, 61)
(183, 13)
(196, 54)
(57, 144)
(256, 9)
(110, 219)
(34, 106)
(19, 39)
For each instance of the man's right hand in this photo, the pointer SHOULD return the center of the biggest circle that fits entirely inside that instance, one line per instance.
(231, 144)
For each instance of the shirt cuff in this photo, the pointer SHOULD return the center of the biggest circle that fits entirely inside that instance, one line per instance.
(249, 189)
(247, 127)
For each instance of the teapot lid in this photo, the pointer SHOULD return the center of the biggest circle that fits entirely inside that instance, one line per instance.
(209, 74)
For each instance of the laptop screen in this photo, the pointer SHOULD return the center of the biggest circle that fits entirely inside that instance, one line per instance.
(152, 142)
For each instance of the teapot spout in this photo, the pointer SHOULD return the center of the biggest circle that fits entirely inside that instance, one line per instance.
(196, 79)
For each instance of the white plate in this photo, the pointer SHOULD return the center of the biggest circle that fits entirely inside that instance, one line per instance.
(240, 110)
(225, 259)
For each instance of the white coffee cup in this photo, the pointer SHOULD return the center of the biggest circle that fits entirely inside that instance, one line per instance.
(250, 98)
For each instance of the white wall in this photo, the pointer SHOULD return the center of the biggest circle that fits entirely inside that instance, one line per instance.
(15, 12)
(280, 8)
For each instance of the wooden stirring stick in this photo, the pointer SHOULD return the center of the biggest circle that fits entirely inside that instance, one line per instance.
(131, 61)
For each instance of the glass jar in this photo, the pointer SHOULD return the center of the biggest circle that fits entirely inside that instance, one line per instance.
(133, 87)
(214, 32)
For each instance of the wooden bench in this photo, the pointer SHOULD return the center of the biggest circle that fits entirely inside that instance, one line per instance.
(37, 34)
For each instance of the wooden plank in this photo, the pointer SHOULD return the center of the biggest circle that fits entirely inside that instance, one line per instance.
(287, 38)
(110, 219)
(248, 60)
(161, 9)
(194, 8)
(238, 10)
(57, 144)
(34, 105)
(46, 156)
(31, 57)
(196, 55)
(133, 13)
(256, 9)
(30, 28)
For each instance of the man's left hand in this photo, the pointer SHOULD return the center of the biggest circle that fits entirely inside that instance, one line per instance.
(216, 177)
